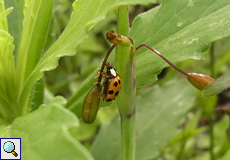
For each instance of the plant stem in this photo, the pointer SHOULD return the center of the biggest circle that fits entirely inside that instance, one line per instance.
(165, 59)
(128, 137)
(211, 135)
(180, 156)
(126, 99)
(104, 62)
(212, 60)
(211, 138)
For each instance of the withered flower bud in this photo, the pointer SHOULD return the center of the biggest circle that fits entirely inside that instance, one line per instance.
(91, 104)
(118, 39)
(200, 81)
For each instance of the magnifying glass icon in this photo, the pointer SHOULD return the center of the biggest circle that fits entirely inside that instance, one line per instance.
(9, 147)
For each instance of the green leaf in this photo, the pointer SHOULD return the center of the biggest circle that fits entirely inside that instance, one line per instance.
(158, 114)
(7, 77)
(35, 26)
(3, 14)
(38, 95)
(44, 133)
(15, 19)
(217, 86)
(172, 30)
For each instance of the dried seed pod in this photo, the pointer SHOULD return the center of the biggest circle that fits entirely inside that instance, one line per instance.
(116, 38)
(200, 81)
(91, 104)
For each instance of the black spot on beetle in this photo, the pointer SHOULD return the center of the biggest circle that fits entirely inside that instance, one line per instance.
(108, 100)
(115, 84)
(119, 81)
(116, 93)
(110, 92)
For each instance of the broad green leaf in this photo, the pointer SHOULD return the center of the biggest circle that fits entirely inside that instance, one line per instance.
(44, 133)
(7, 77)
(217, 86)
(84, 17)
(180, 30)
(158, 113)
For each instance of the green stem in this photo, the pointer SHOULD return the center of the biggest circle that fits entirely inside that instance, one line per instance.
(126, 98)
(212, 60)
(181, 153)
(128, 137)
(211, 138)
(228, 129)
(211, 135)
(104, 62)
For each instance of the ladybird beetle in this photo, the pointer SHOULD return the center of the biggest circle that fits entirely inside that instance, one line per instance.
(112, 84)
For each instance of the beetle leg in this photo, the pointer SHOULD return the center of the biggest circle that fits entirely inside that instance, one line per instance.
(102, 85)
(104, 74)
(98, 73)
(100, 94)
